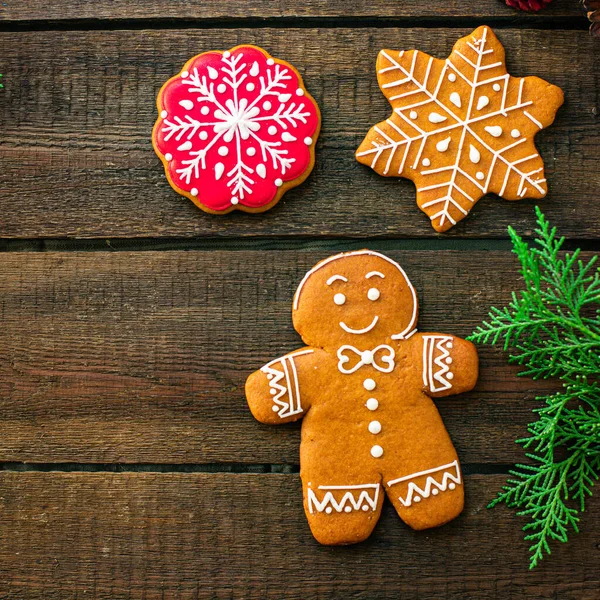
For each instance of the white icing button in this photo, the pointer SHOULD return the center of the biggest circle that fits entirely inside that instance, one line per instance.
(279, 182)
(203, 135)
(417, 499)
(250, 87)
(308, 141)
(449, 345)
(221, 88)
(184, 74)
(452, 77)
(270, 62)
(251, 151)
(272, 130)
(373, 294)
(435, 491)
(168, 156)
(374, 427)
(275, 408)
(164, 114)
(339, 299)
(347, 509)
(372, 403)
(234, 200)
(226, 54)
(450, 376)
(205, 110)
(425, 162)
(515, 133)
(369, 384)
(376, 451)
(451, 485)
(267, 105)
(367, 357)
(223, 151)
(365, 507)
(413, 114)
(272, 392)
(496, 87)
(449, 360)
(299, 92)
(328, 510)
(479, 175)
(194, 191)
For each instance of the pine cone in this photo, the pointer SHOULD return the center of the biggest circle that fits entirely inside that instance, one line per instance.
(529, 5)
(593, 13)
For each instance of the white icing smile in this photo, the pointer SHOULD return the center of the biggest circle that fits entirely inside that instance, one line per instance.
(359, 331)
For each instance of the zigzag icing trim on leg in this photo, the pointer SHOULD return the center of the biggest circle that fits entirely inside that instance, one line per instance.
(284, 385)
(368, 495)
(432, 487)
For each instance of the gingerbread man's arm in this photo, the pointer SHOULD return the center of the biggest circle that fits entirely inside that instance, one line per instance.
(279, 391)
(449, 364)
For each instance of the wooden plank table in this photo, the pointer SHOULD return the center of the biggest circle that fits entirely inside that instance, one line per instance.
(131, 467)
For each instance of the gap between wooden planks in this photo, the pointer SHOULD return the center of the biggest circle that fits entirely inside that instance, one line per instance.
(141, 357)
(64, 10)
(77, 159)
(178, 536)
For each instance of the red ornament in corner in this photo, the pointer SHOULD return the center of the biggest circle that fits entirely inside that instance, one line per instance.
(528, 5)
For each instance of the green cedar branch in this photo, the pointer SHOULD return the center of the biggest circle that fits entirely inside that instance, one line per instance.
(552, 330)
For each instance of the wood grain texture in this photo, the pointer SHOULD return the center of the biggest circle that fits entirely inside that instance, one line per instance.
(17, 10)
(142, 357)
(77, 159)
(200, 536)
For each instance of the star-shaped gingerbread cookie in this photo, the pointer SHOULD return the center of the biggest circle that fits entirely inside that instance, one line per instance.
(460, 127)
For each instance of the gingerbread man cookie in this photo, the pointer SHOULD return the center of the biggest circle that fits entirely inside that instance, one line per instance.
(460, 127)
(236, 129)
(364, 385)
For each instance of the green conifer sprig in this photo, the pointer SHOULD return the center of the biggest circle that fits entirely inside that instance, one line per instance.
(552, 329)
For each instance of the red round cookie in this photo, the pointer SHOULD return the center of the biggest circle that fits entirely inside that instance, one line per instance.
(236, 129)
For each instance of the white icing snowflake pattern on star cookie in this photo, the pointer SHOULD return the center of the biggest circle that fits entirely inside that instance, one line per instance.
(234, 127)
(461, 127)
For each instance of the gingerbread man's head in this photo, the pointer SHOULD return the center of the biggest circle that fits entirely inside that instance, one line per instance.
(359, 298)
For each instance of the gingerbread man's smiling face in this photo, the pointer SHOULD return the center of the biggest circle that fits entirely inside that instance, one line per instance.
(359, 298)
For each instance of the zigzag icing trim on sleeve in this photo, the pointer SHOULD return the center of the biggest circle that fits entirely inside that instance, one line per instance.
(284, 384)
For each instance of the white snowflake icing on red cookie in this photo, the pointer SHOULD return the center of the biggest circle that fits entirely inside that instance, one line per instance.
(236, 129)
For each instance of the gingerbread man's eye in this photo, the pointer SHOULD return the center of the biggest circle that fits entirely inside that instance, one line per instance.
(339, 299)
(373, 294)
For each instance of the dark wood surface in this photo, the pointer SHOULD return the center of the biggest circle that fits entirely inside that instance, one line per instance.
(65, 10)
(77, 158)
(130, 466)
(142, 356)
(195, 535)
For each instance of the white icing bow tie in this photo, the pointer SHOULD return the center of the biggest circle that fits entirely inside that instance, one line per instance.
(378, 357)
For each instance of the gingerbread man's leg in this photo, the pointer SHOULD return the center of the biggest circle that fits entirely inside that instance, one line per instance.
(342, 497)
(425, 485)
